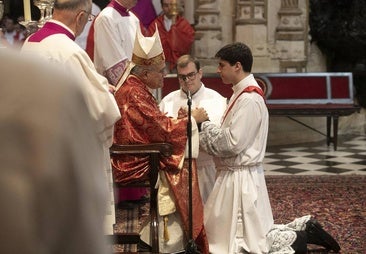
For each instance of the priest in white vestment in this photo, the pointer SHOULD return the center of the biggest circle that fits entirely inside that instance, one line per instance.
(189, 77)
(55, 42)
(238, 215)
(113, 37)
(52, 190)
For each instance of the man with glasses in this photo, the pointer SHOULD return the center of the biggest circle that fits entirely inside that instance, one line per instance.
(144, 123)
(189, 78)
(82, 38)
(55, 42)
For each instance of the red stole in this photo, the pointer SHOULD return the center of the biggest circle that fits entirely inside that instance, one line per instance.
(248, 89)
(90, 42)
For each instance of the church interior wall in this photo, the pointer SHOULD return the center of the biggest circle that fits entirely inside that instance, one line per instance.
(278, 33)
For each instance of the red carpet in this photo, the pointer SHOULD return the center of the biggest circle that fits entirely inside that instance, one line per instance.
(337, 202)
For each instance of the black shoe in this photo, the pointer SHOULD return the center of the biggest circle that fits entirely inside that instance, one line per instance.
(143, 247)
(317, 235)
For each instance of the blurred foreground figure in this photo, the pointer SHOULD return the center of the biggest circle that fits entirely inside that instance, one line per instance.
(55, 42)
(52, 191)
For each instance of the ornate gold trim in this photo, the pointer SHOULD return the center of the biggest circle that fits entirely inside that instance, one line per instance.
(148, 62)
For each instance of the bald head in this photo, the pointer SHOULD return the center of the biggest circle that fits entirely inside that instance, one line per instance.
(72, 4)
(73, 13)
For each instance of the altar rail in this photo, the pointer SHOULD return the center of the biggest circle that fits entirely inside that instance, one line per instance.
(320, 94)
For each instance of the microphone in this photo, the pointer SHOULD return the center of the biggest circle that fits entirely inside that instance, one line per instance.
(189, 97)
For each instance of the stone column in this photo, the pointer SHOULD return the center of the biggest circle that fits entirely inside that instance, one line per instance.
(291, 37)
(251, 25)
(189, 10)
(208, 33)
(227, 18)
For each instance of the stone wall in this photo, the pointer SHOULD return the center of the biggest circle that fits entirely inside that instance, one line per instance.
(277, 31)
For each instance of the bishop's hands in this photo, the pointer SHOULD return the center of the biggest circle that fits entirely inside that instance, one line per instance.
(199, 114)
(182, 112)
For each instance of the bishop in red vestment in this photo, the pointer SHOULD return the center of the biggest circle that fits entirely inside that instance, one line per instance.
(142, 122)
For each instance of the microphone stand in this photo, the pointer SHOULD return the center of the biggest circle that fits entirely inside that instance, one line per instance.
(191, 246)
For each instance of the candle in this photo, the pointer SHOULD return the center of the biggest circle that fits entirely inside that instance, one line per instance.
(27, 10)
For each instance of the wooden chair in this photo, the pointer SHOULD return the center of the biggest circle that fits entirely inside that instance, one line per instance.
(154, 150)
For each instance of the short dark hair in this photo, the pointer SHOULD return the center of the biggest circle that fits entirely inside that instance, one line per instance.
(184, 60)
(237, 52)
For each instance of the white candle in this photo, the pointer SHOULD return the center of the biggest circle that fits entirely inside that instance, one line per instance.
(27, 10)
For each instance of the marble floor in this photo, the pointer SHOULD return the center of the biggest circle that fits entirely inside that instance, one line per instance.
(316, 158)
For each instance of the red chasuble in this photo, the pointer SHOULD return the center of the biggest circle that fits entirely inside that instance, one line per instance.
(142, 122)
(177, 41)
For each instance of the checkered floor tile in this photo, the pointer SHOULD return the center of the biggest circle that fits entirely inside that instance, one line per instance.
(317, 158)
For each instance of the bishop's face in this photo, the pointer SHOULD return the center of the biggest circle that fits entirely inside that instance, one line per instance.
(155, 76)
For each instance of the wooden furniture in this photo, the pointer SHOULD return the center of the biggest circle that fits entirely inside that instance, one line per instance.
(323, 94)
(310, 94)
(154, 151)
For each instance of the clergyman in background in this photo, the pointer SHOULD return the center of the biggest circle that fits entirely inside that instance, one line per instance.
(176, 33)
(189, 73)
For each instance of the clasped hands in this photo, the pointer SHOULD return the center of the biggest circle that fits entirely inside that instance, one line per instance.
(199, 114)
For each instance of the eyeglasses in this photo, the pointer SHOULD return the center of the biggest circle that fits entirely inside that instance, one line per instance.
(91, 16)
(190, 76)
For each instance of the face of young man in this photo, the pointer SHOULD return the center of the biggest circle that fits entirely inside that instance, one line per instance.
(227, 72)
(189, 78)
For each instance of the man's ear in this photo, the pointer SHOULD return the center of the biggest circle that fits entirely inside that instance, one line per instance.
(238, 66)
(200, 72)
(146, 72)
(80, 16)
(145, 76)
(79, 21)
